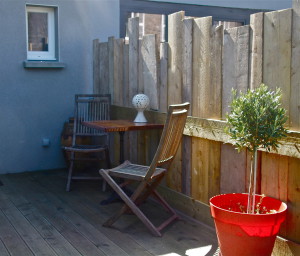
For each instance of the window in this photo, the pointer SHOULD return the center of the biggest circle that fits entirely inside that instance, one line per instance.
(41, 36)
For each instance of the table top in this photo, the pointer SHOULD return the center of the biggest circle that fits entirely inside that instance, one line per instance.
(121, 125)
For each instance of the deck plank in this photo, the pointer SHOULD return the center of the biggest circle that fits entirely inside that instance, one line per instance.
(70, 223)
(58, 243)
(29, 235)
(82, 235)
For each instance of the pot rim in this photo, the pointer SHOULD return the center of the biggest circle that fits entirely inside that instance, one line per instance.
(284, 205)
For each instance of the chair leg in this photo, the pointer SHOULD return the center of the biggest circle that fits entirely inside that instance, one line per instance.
(129, 203)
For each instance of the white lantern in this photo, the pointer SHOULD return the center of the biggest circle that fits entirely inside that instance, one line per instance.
(140, 102)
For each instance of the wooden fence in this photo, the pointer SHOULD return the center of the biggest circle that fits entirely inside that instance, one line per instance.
(201, 63)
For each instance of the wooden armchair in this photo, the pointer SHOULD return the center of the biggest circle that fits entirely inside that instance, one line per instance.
(88, 107)
(149, 177)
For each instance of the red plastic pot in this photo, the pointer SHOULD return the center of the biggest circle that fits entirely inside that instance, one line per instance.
(242, 234)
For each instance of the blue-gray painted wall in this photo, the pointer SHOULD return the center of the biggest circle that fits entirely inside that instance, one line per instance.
(34, 103)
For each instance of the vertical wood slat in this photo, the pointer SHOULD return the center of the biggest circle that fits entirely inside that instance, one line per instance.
(277, 52)
(141, 88)
(118, 72)
(96, 66)
(277, 74)
(199, 175)
(215, 107)
(163, 79)
(274, 176)
(235, 76)
(133, 34)
(111, 63)
(104, 69)
(149, 57)
(256, 49)
(206, 154)
(175, 36)
(235, 63)
(295, 67)
(187, 86)
(233, 174)
(293, 194)
(175, 30)
(126, 99)
(274, 179)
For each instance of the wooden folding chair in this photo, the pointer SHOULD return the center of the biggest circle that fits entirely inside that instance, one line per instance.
(89, 107)
(149, 177)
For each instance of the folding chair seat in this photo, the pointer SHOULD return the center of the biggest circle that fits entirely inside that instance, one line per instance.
(88, 107)
(149, 177)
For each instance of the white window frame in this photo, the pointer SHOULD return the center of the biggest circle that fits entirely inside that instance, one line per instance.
(51, 53)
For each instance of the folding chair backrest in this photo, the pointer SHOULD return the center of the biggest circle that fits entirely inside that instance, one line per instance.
(90, 107)
(170, 138)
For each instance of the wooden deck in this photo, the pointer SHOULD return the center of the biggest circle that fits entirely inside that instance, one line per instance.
(38, 217)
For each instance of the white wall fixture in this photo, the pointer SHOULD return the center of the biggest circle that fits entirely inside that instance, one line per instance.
(140, 102)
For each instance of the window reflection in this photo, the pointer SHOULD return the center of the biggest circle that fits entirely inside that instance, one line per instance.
(37, 31)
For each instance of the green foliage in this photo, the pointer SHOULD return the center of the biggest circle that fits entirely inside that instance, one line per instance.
(257, 119)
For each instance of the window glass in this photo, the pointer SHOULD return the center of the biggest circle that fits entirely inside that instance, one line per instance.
(37, 31)
(40, 33)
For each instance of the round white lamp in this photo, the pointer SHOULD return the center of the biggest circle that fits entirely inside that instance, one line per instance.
(140, 102)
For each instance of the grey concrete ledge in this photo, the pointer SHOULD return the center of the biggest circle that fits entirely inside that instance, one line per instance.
(43, 64)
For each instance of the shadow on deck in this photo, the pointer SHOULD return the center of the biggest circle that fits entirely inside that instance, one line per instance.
(38, 217)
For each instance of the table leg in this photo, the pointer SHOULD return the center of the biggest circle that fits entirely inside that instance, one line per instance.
(121, 133)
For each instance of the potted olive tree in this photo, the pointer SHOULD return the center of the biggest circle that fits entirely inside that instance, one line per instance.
(247, 224)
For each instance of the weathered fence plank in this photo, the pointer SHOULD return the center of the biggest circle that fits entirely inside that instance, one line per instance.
(293, 216)
(277, 53)
(274, 176)
(149, 56)
(140, 68)
(235, 76)
(256, 49)
(295, 68)
(235, 63)
(111, 65)
(163, 79)
(118, 72)
(187, 85)
(126, 99)
(133, 34)
(233, 171)
(175, 57)
(277, 74)
(96, 66)
(187, 60)
(175, 35)
(206, 154)
(104, 69)
(215, 87)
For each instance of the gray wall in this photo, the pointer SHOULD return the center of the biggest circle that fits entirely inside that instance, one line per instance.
(253, 4)
(34, 103)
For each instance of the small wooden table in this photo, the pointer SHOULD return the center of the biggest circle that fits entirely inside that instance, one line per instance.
(121, 126)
